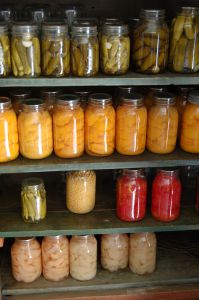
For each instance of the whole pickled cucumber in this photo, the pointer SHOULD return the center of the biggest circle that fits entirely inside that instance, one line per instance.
(179, 55)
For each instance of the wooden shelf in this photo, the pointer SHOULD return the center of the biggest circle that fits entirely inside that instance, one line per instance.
(130, 78)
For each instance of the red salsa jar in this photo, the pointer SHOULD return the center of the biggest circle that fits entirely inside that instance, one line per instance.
(166, 195)
(131, 195)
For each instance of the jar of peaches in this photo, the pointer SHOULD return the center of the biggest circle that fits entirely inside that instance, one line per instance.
(55, 257)
(35, 130)
(26, 259)
(100, 125)
(9, 146)
(131, 125)
(189, 137)
(162, 124)
(68, 127)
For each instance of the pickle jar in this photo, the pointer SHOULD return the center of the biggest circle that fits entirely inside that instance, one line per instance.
(84, 49)
(184, 41)
(55, 49)
(115, 49)
(33, 200)
(18, 97)
(9, 145)
(25, 50)
(162, 124)
(35, 130)
(114, 251)
(149, 96)
(55, 257)
(68, 127)
(26, 259)
(50, 96)
(189, 136)
(5, 58)
(151, 42)
(142, 252)
(100, 125)
(131, 125)
(83, 257)
(80, 191)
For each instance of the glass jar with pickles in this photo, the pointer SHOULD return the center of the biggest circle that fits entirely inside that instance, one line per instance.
(115, 49)
(5, 58)
(100, 125)
(131, 125)
(35, 130)
(151, 42)
(84, 49)
(25, 50)
(162, 124)
(55, 49)
(184, 41)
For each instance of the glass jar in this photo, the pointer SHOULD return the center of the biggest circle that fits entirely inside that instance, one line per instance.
(37, 13)
(142, 252)
(26, 259)
(5, 59)
(50, 95)
(83, 95)
(1, 242)
(100, 125)
(197, 195)
(114, 251)
(166, 195)
(9, 145)
(80, 191)
(149, 97)
(151, 42)
(17, 97)
(184, 41)
(189, 136)
(35, 130)
(83, 257)
(68, 127)
(162, 124)
(55, 257)
(131, 195)
(25, 50)
(33, 200)
(131, 125)
(84, 49)
(115, 49)
(123, 91)
(55, 49)
(69, 13)
(7, 13)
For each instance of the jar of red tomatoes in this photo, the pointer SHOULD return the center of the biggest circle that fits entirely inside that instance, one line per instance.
(131, 195)
(166, 195)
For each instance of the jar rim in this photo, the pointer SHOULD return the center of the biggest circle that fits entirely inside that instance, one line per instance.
(68, 99)
(5, 102)
(33, 103)
(27, 27)
(152, 13)
(33, 182)
(20, 93)
(83, 27)
(25, 239)
(48, 92)
(133, 172)
(121, 28)
(100, 98)
(168, 171)
(54, 27)
(164, 97)
(194, 97)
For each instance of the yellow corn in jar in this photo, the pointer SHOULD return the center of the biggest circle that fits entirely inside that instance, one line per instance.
(162, 124)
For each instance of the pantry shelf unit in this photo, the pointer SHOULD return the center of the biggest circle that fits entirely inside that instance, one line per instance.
(130, 78)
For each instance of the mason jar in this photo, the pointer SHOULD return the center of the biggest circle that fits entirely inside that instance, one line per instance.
(18, 97)
(5, 58)
(149, 96)
(50, 95)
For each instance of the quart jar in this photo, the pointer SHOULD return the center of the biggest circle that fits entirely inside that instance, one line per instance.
(114, 251)
(9, 145)
(55, 257)
(80, 191)
(184, 41)
(131, 195)
(162, 126)
(142, 252)
(25, 50)
(5, 58)
(17, 97)
(35, 130)
(115, 49)
(84, 49)
(33, 200)
(166, 195)
(151, 42)
(26, 259)
(50, 95)
(100, 125)
(149, 96)
(189, 136)
(55, 49)
(83, 257)
(68, 127)
(131, 125)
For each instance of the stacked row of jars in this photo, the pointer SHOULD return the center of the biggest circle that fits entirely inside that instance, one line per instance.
(57, 257)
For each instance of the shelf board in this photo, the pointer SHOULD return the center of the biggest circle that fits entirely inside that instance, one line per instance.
(130, 78)
(86, 162)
